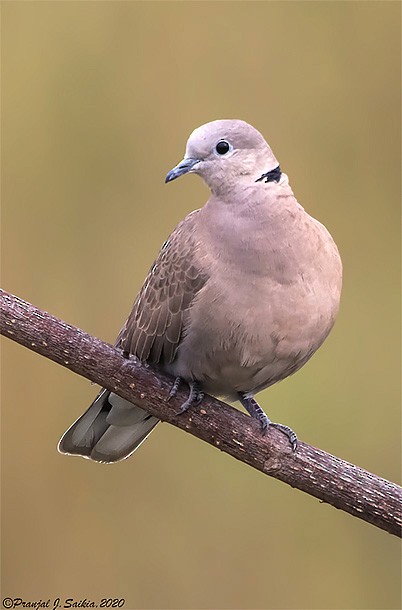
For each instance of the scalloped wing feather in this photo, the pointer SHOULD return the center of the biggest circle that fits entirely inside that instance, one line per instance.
(154, 328)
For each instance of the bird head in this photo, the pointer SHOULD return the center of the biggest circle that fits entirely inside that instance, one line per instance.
(226, 153)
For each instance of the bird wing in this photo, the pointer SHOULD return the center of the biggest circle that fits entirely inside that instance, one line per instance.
(154, 327)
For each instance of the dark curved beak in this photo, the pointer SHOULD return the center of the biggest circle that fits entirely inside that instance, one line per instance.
(182, 168)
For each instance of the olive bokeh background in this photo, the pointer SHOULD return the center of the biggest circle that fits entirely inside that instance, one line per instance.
(98, 99)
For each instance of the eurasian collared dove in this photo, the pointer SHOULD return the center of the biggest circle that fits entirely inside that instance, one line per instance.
(241, 295)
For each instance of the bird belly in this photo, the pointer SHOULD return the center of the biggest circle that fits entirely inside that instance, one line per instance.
(246, 343)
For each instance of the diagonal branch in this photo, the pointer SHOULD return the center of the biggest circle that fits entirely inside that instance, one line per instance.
(315, 472)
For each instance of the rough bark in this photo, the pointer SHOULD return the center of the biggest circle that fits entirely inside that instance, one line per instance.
(311, 470)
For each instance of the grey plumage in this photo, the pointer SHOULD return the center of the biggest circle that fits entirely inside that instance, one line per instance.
(241, 295)
(111, 429)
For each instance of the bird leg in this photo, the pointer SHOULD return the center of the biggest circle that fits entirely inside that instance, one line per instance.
(254, 409)
(194, 398)
(174, 389)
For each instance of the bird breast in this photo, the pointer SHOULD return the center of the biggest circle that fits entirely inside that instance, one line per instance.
(271, 301)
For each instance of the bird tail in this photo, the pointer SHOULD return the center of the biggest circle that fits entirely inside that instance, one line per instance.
(110, 430)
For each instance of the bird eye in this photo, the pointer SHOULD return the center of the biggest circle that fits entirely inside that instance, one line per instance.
(223, 147)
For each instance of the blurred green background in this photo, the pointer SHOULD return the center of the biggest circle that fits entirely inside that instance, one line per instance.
(98, 99)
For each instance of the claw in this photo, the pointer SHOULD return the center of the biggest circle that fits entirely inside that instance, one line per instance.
(194, 398)
(174, 389)
(287, 432)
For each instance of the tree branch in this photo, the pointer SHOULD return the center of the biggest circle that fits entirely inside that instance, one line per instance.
(315, 472)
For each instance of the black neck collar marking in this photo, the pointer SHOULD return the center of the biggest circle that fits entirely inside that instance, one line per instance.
(273, 176)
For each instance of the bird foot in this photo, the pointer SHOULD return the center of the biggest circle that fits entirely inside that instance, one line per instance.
(194, 398)
(254, 409)
(287, 431)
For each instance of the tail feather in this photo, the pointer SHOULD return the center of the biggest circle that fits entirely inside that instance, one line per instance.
(110, 430)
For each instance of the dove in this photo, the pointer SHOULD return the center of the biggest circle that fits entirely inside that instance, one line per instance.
(241, 295)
